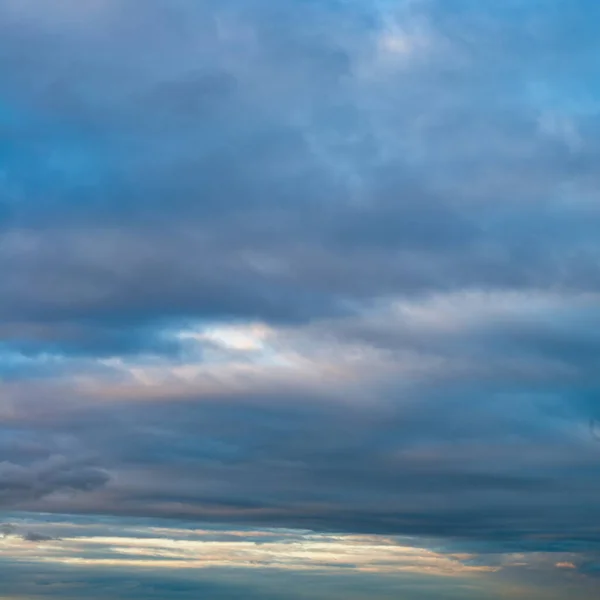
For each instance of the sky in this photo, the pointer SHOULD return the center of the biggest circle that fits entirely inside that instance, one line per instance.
(299, 299)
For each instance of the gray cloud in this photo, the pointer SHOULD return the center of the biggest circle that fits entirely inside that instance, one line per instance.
(32, 536)
(21, 483)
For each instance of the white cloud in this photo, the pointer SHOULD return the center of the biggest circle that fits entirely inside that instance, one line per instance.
(285, 549)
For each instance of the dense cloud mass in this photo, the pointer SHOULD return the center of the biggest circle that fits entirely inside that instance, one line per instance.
(316, 277)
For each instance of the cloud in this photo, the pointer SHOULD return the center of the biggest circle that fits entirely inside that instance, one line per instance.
(6, 529)
(104, 555)
(347, 424)
(217, 179)
(32, 536)
(329, 266)
(20, 483)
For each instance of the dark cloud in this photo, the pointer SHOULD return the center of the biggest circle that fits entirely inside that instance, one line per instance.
(32, 536)
(508, 465)
(7, 529)
(25, 482)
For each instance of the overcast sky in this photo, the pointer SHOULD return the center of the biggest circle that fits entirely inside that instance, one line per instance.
(299, 299)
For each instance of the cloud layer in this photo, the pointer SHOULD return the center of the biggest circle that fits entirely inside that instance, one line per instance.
(314, 265)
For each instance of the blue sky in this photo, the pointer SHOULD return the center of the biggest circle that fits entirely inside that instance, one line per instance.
(299, 299)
